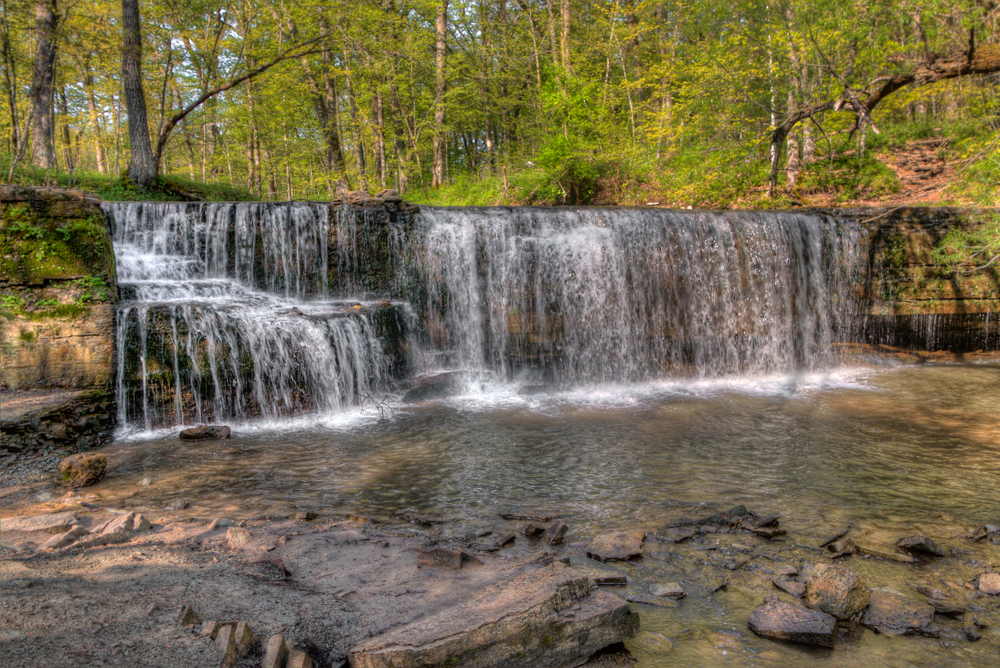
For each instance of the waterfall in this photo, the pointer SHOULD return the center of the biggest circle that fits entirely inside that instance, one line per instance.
(629, 294)
(225, 315)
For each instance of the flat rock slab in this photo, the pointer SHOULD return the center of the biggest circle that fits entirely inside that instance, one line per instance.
(543, 617)
(617, 545)
(894, 614)
(837, 591)
(784, 621)
(51, 523)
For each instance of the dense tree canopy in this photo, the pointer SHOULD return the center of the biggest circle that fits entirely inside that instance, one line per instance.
(414, 94)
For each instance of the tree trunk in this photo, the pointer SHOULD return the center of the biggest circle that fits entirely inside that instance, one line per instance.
(564, 42)
(359, 145)
(43, 152)
(88, 87)
(9, 80)
(142, 167)
(399, 139)
(378, 132)
(437, 178)
(67, 134)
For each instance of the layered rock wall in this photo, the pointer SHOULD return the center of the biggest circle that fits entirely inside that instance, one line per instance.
(914, 301)
(57, 296)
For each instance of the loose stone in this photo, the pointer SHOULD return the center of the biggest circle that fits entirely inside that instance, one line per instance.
(299, 659)
(796, 589)
(237, 538)
(920, 545)
(205, 432)
(989, 583)
(784, 621)
(225, 642)
(534, 530)
(670, 590)
(892, 613)
(837, 591)
(276, 652)
(83, 469)
(63, 539)
(948, 608)
(554, 534)
(617, 545)
(245, 638)
(187, 616)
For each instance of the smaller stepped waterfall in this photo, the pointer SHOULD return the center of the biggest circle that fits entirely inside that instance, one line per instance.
(225, 316)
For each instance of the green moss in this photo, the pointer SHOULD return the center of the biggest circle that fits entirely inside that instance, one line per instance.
(35, 248)
(60, 311)
(26, 336)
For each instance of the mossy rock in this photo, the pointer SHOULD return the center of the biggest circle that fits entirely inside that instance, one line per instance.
(83, 469)
(36, 246)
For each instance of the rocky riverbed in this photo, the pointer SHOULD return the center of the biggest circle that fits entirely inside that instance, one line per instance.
(93, 576)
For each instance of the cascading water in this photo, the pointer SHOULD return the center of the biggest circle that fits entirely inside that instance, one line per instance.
(215, 324)
(627, 294)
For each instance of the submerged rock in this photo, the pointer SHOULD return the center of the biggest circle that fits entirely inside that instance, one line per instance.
(837, 591)
(920, 545)
(784, 621)
(554, 534)
(617, 545)
(796, 589)
(436, 386)
(892, 613)
(670, 590)
(83, 469)
(206, 432)
(546, 617)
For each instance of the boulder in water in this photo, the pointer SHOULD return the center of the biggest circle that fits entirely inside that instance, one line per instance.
(920, 545)
(436, 386)
(82, 469)
(206, 432)
(784, 621)
(894, 614)
(617, 545)
(837, 591)
(989, 583)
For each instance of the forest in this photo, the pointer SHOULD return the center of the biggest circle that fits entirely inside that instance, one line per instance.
(674, 103)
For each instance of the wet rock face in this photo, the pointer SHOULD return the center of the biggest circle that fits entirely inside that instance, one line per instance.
(85, 468)
(784, 621)
(894, 614)
(837, 591)
(543, 618)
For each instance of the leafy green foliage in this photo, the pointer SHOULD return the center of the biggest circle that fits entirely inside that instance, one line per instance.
(646, 101)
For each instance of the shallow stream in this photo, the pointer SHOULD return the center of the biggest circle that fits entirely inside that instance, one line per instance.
(889, 452)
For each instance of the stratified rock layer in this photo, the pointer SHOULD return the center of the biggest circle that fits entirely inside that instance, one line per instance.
(546, 617)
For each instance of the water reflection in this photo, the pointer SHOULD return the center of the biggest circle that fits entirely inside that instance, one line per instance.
(913, 440)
